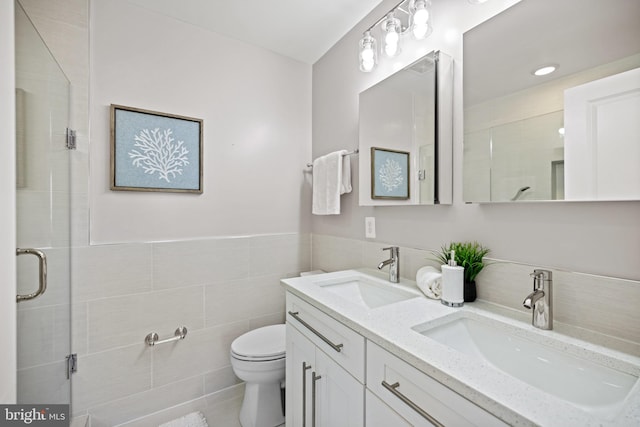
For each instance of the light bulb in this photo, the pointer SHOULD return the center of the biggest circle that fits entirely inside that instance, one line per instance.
(419, 18)
(420, 31)
(367, 53)
(391, 29)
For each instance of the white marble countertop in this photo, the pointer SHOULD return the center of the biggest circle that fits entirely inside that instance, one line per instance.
(506, 397)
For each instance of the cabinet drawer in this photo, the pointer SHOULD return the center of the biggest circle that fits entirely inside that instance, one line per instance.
(340, 343)
(417, 397)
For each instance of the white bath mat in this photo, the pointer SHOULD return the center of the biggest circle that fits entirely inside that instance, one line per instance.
(194, 419)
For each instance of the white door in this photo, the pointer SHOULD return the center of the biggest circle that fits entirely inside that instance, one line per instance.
(602, 139)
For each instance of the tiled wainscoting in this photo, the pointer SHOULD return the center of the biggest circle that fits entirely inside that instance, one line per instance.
(217, 288)
(594, 308)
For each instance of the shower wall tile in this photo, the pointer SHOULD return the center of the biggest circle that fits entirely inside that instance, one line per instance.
(44, 383)
(203, 351)
(44, 333)
(110, 375)
(198, 262)
(79, 328)
(36, 328)
(125, 320)
(111, 270)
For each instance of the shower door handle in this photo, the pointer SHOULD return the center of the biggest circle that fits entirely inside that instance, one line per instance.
(42, 285)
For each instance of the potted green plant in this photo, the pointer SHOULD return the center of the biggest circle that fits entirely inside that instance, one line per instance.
(468, 255)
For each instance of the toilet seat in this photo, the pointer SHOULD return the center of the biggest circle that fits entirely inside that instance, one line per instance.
(260, 345)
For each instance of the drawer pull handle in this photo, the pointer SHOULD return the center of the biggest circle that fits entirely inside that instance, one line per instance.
(393, 389)
(314, 379)
(336, 347)
(305, 367)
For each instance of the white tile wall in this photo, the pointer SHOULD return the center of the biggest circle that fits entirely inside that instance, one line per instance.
(217, 288)
(587, 306)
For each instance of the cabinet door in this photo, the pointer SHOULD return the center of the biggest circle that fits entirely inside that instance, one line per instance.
(380, 415)
(300, 366)
(339, 397)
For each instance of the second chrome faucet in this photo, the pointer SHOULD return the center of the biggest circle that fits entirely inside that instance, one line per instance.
(539, 301)
(393, 262)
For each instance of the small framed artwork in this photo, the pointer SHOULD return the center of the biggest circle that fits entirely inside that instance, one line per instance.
(152, 151)
(389, 174)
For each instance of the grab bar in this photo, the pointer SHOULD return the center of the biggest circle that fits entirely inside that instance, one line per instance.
(153, 338)
(393, 389)
(42, 285)
(336, 347)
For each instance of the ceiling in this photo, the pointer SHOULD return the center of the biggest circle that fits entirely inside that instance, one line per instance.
(300, 29)
(501, 53)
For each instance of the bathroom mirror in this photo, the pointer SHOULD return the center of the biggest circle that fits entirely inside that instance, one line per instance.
(573, 134)
(405, 136)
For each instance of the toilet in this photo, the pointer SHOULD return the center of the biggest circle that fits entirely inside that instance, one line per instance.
(258, 358)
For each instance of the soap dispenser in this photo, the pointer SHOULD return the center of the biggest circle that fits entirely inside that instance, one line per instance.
(452, 283)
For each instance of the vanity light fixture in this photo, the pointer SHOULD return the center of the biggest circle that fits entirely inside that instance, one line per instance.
(545, 69)
(417, 19)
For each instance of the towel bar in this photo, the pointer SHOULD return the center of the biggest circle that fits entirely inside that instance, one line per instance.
(152, 338)
(356, 151)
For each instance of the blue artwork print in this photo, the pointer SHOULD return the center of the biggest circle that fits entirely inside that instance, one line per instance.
(156, 152)
(390, 172)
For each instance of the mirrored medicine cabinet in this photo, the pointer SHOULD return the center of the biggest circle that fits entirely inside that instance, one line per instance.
(405, 134)
(573, 134)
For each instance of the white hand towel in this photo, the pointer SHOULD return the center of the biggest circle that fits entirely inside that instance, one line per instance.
(329, 183)
(429, 280)
(345, 186)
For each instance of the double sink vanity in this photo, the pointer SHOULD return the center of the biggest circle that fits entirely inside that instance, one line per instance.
(364, 351)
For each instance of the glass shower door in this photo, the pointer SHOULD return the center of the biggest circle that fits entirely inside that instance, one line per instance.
(43, 219)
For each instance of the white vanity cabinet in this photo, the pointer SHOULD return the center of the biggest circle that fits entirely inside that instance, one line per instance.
(325, 369)
(335, 377)
(416, 397)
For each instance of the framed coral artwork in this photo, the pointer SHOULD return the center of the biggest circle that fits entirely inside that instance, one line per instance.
(389, 174)
(152, 151)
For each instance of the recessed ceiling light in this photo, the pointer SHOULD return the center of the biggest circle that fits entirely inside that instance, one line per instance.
(545, 69)
(477, 1)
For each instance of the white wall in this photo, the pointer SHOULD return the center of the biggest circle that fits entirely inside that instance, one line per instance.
(256, 107)
(601, 238)
(8, 211)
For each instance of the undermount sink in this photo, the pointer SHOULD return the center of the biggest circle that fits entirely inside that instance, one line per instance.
(541, 361)
(365, 290)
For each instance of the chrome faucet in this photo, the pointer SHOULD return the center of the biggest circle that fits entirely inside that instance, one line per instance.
(540, 299)
(393, 263)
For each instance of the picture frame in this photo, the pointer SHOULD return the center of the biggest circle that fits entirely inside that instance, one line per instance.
(389, 174)
(154, 151)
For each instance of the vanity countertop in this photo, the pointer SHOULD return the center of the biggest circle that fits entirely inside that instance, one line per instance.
(506, 397)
